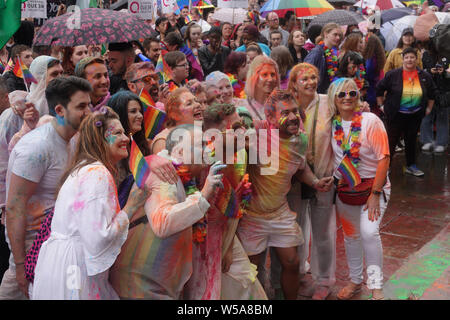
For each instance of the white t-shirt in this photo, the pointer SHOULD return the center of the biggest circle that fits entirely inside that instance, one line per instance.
(41, 156)
(10, 124)
(374, 145)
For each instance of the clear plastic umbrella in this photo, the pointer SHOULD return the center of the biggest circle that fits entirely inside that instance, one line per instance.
(392, 30)
(231, 15)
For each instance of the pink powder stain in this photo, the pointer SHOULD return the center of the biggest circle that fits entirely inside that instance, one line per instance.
(78, 205)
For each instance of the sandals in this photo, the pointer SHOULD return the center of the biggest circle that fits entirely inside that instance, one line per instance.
(377, 298)
(348, 291)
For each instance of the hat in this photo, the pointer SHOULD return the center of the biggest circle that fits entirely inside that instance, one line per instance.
(407, 30)
(83, 63)
(120, 46)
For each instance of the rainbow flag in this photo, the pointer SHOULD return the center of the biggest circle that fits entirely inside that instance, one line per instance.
(9, 66)
(188, 19)
(147, 99)
(153, 121)
(138, 165)
(349, 172)
(21, 71)
(162, 69)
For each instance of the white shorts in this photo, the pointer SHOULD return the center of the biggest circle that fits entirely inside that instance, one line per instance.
(257, 234)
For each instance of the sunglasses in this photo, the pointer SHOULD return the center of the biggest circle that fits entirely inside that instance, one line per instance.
(148, 78)
(343, 94)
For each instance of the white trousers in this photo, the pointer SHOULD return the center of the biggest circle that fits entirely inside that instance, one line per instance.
(362, 236)
(317, 218)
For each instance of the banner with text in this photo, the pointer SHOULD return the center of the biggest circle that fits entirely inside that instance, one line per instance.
(34, 9)
(232, 4)
(142, 8)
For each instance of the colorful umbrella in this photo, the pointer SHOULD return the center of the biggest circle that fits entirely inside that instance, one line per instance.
(92, 26)
(301, 8)
(341, 17)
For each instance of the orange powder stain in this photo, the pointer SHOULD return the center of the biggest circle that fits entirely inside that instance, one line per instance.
(348, 227)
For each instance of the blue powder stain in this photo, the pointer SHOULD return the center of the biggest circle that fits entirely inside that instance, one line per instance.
(60, 120)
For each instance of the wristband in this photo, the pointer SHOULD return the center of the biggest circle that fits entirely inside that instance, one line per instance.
(315, 181)
(375, 192)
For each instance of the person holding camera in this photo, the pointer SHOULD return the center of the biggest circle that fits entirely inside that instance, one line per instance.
(438, 67)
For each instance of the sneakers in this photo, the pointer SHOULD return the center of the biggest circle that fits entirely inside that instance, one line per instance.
(439, 149)
(427, 146)
(413, 170)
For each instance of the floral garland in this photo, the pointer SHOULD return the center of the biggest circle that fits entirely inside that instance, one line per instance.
(359, 77)
(331, 58)
(355, 129)
(238, 87)
(199, 229)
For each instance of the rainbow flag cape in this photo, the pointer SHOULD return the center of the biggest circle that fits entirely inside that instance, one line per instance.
(21, 71)
(162, 69)
(349, 172)
(147, 99)
(138, 165)
(153, 121)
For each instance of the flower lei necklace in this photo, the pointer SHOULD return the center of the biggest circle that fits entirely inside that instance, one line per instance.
(199, 229)
(331, 58)
(238, 87)
(351, 151)
(359, 77)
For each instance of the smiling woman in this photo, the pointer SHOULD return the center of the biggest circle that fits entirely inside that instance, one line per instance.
(88, 227)
(182, 108)
(130, 110)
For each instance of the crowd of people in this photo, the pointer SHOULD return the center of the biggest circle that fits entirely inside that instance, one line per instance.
(323, 103)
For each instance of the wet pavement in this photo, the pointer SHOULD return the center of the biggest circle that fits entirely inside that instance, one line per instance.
(415, 232)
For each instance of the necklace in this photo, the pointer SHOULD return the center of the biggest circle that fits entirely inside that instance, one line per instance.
(331, 58)
(359, 77)
(355, 129)
(238, 86)
(199, 229)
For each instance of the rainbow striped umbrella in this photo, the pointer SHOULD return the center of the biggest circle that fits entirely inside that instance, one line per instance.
(301, 8)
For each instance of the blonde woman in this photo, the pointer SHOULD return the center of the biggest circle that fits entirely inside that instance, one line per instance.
(362, 139)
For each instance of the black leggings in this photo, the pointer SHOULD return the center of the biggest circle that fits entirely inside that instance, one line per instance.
(408, 125)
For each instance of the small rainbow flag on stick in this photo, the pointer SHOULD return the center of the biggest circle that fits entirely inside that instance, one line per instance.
(153, 121)
(138, 165)
(21, 71)
(188, 19)
(349, 172)
(162, 69)
(9, 66)
(147, 99)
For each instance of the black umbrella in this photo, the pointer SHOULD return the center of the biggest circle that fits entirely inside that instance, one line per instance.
(341, 2)
(395, 13)
(341, 17)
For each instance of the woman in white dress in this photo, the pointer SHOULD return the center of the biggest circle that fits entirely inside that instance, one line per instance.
(88, 227)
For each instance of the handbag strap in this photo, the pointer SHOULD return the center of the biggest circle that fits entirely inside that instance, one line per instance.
(313, 147)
